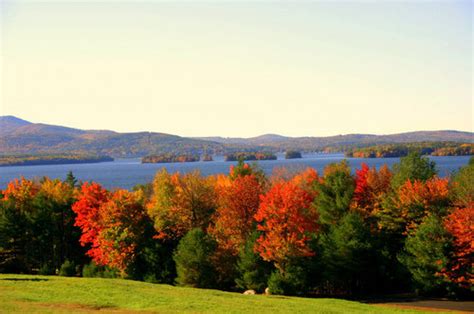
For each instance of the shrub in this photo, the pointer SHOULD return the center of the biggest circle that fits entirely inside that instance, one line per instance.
(68, 269)
(93, 270)
(292, 282)
(46, 270)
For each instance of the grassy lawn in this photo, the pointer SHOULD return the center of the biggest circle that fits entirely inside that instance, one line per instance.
(51, 294)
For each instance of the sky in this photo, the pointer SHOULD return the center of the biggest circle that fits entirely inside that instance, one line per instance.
(239, 69)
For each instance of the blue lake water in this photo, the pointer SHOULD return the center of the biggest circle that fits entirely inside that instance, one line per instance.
(126, 173)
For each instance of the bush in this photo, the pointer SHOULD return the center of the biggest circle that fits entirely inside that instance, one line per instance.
(292, 282)
(46, 270)
(193, 260)
(93, 270)
(68, 269)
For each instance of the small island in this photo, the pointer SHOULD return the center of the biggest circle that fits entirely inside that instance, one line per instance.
(169, 158)
(207, 157)
(249, 156)
(292, 154)
(36, 160)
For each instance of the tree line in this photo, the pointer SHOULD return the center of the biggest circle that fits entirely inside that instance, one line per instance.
(402, 150)
(378, 231)
(54, 159)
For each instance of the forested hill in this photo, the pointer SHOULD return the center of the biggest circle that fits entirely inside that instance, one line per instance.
(18, 136)
(343, 142)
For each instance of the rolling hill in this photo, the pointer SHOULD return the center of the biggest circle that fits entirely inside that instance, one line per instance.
(18, 136)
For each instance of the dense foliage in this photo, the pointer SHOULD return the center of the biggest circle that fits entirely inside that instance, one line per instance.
(378, 231)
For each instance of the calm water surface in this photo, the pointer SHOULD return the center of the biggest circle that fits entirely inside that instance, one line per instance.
(125, 173)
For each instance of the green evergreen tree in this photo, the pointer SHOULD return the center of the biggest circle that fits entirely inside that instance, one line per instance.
(71, 179)
(426, 253)
(348, 258)
(334, 194)
(193, 260)
(462, 184)
(413, 167)
(253, 270)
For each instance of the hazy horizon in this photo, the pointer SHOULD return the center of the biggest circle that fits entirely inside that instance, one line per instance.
(239, 69)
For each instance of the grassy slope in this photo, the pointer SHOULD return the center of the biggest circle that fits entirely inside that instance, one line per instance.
(50, 294)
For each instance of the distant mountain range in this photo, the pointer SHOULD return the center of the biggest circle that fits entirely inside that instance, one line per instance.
(18, 136)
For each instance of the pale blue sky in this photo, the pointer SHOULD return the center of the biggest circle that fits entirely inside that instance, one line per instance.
(238, 68)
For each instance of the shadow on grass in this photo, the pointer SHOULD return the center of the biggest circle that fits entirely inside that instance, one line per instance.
(25, 279)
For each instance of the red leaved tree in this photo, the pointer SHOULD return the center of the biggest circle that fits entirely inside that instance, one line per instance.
(287, 220)
(460, 224)
(371, 188)
(123, 219)
(88, 219)
(238, 201)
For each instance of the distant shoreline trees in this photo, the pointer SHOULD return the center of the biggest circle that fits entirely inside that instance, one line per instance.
(402, 150)
(32, 160)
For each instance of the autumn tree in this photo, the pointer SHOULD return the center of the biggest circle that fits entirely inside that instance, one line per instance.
(88, 217)
(238, 200)
(288, 222)
(413, 201)
(124, 220)
(371, 187)
(459, 223)
(36, 224)
(17, 214)
(180, 203)
(55, 199)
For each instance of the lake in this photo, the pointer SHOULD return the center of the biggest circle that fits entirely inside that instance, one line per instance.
(126, 173)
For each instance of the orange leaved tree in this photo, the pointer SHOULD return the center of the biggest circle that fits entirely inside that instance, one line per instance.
(460, 224)
(287, 220)
(181, 203)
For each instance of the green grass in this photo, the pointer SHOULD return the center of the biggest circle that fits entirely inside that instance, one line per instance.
(52, 294)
